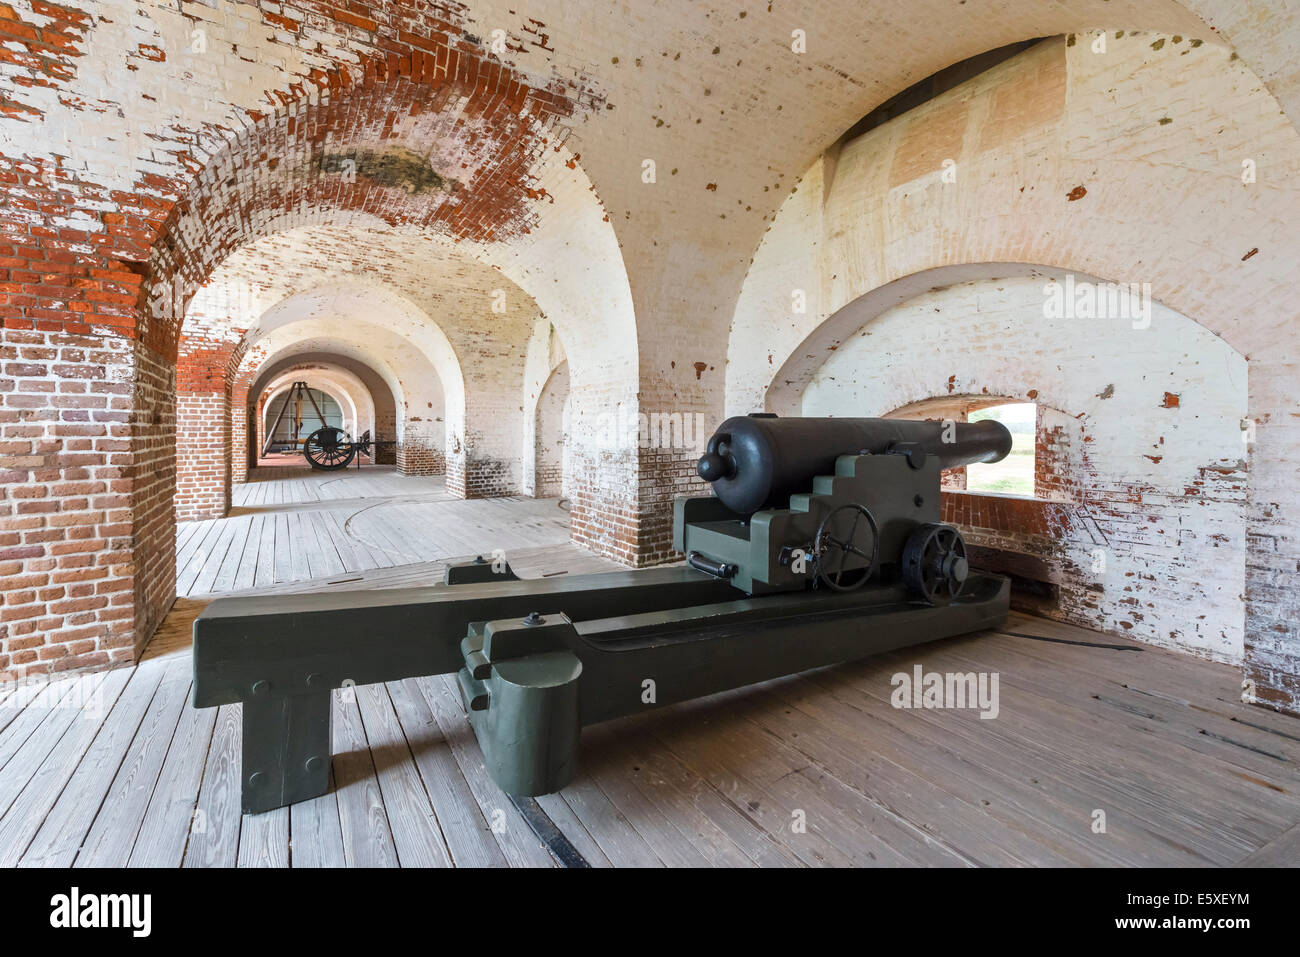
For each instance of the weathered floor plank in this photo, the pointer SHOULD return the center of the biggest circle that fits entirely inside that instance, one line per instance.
(113, 835)
(59, 837)
(315, 831)
(23, 817)
(466, 830)
(1282, 851)
(417, 835)
(819, 769)
(213, 841)
(169, 817)
(367, 836)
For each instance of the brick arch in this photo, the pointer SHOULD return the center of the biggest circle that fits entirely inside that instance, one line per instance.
(406, 137)
(1140, 450)
(1078, 186)
(782, 389)
(1087, 491)
(545, 352)
(334, 381)
(458, 289)
(378, 388)
(875, 224)
(275, 355)
(218, 360)
(419, 396)
(551, 468)
(340, 308)
(292, 267)
(390, 135)
(375, 304)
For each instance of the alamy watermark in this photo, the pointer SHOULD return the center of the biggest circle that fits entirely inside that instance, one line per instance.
(934, 690)
(652, 430)
(77, 909)
(1084, 299)
(43, 692)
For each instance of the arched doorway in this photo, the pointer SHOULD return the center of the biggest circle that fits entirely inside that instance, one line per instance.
(550, 435)
(1136, 523)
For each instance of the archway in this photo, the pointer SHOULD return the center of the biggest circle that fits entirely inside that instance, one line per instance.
(1071, 186)
(363, 379)
(1137, 521)
(341, 392)
(551, 478)
(419, 421)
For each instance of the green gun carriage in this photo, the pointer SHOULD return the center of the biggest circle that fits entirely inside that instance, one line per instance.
(821, 544)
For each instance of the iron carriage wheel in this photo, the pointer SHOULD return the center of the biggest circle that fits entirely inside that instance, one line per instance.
(329, 449)
(934, 562)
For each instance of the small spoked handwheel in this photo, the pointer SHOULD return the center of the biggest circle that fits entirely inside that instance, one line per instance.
(934, 563)
(842, 534)
(329, 448)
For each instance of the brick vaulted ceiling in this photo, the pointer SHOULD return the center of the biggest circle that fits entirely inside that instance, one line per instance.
(169, 135)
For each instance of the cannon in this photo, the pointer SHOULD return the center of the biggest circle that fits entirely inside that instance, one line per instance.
(760, 460)
(328, 448)
(821, 544)
(331, 449)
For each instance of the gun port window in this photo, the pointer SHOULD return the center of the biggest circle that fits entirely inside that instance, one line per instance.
(1014, 475)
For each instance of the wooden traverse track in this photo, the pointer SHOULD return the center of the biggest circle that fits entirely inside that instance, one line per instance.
(295, 525)
(818, 769)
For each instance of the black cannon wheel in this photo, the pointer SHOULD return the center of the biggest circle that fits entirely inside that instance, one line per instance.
(329, 449)
(934, 562)
(838, 537)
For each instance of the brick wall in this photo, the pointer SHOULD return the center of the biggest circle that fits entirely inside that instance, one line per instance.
(203, 439)
(1140, 523)
(245, 438)
(138, 160)
(1091, 182)
(85, 492)
(608, 525)
(421, 460)
(549, 435)
(153, 477)
(205, 355)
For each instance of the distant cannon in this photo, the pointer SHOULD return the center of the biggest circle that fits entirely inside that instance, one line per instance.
(822, 545)
(328, 448)
(331, 449)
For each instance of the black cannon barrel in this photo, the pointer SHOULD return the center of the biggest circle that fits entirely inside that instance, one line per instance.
(759, 461)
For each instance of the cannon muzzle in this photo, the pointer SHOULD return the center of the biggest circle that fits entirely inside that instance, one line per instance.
(760, 460)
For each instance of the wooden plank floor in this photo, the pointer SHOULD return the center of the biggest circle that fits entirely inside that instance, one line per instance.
(811, 770)
(294, 525)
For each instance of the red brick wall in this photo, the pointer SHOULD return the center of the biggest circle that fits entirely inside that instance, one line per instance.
(203, 444)
(203, 429)
(412, 459)
(86, 553)
(152, 470)
(245, 426)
